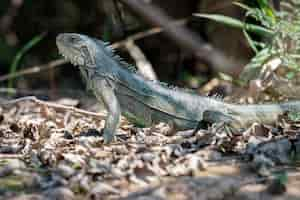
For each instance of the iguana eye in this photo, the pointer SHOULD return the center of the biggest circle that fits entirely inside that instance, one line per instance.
(74, 39)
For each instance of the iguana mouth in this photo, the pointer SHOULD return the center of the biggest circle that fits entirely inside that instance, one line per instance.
(73, 57)
(69, 49)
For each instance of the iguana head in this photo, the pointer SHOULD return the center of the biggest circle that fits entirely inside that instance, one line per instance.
(78, 49)
(86, 51)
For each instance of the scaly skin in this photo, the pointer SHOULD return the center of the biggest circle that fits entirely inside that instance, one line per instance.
(146, 102)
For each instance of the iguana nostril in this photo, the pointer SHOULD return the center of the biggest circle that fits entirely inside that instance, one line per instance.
(59, 37)
(72, 39)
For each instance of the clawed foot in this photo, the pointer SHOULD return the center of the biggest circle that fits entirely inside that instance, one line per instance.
(107, 137)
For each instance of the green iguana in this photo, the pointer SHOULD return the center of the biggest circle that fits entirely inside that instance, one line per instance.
(148, 102)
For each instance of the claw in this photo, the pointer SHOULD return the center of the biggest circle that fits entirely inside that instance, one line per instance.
(108, 137)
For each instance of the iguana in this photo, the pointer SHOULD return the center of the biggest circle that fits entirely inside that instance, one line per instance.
(124, 91)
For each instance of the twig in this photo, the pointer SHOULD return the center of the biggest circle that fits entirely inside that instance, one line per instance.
(11, 156)
(41, 92)
(147, 33)
(21, 91)
(35, 69)
(143, 65)
(52, 105)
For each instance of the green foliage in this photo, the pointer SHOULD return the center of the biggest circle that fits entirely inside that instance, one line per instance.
(290, 75)
(294, 116)
(280, 33)
(253, 68)
(14, 65)
(284, 44)
(281, 177)
(235, 23)
(266, 12)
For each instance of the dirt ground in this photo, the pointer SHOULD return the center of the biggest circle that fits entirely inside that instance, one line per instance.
(51, 152)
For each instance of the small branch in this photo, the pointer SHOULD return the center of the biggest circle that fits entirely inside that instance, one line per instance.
(143, 65)
(11, 156)
(52, 105)
(35, 69)
(147, 33)
(72, 93)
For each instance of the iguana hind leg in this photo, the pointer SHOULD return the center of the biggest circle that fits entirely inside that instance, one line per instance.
(201, 125)
(215, 117)
(208, 117)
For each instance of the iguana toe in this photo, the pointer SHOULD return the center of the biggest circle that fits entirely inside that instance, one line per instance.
(108, 137)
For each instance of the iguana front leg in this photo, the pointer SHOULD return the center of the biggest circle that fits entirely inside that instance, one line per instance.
(105, 93)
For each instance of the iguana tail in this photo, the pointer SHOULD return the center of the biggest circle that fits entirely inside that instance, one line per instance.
(264, 113)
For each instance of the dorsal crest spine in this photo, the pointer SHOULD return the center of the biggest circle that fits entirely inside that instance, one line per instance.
(116, 57)
(112, 54)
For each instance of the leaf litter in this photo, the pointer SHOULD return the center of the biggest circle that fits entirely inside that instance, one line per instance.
(51, 154)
